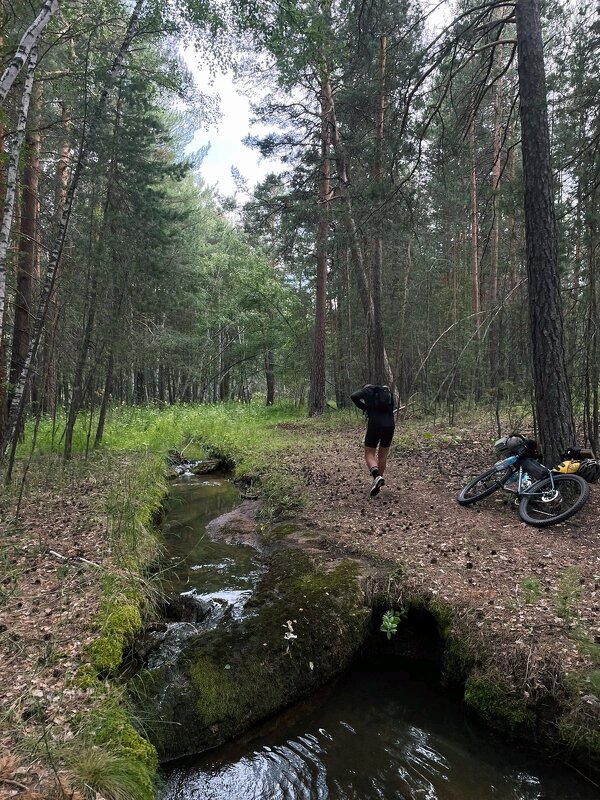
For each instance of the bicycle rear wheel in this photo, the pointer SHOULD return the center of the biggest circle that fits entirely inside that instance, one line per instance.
(484, 485)
(543, 505)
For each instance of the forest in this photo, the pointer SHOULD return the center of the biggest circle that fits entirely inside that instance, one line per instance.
(427, 220)
(434, 226)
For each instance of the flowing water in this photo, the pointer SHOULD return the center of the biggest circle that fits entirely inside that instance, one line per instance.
(374, 734)
(211, 571)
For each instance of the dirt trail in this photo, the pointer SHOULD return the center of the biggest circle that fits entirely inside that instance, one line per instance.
(528, 588)
(481, 560)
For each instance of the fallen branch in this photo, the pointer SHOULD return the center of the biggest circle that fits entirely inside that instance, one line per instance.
(74, 558)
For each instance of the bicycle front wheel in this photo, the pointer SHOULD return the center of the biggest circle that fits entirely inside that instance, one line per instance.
(484, 485)
(545, 505)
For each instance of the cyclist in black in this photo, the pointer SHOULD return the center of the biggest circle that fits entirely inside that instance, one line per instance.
(378, 404)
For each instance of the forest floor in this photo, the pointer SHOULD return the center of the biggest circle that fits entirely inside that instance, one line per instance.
(529, 596)
(534, 593)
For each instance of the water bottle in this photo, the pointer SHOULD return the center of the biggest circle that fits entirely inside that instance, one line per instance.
(525, 481)
(506, 462)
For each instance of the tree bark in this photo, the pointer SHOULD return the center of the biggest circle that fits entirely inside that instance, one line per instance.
(316, 397)
(552, 398)
(378, 345)
(26, 46)
(28, 247)
(358, 262)
(11, 181)
(270, 377)
(475, 282)
(495, 329)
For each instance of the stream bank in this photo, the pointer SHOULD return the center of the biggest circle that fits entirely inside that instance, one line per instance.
(310, 615)
(516, 605)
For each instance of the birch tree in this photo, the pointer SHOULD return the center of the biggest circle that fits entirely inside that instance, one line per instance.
(28, 41)
(11, 181)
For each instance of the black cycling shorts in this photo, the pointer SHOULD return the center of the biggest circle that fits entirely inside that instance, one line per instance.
(377, 434)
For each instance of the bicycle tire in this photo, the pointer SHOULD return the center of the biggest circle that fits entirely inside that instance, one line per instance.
(573, 494)
(488, 483)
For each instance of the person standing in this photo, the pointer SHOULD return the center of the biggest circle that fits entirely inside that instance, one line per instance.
(377, 403)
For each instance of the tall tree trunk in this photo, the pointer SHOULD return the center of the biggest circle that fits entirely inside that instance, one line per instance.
(60, 199)
(495, 325)
(475, 281)
(358, 262)
(11, 181)
(28, 247)
(552, 398)
(316, 396)
(270, 376)
(592, 347)
(378, 345)
(26, 46)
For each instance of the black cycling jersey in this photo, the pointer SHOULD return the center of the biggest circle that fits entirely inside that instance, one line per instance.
(381, 424)
(365, 400)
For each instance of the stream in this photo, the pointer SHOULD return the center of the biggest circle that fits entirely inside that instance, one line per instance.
(379, 732)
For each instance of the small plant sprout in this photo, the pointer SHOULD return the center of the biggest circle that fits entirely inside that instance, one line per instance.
(389, 622)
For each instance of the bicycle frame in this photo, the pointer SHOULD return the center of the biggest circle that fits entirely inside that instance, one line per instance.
(522, 491)
(542, 496)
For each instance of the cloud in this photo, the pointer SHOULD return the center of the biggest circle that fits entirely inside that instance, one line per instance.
(226, 134)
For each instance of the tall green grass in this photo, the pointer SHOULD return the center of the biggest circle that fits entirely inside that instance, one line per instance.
(154, 429)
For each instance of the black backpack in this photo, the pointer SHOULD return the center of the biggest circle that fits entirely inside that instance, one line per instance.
(380, 399)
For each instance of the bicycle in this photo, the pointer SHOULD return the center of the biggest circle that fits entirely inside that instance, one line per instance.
(544, 496)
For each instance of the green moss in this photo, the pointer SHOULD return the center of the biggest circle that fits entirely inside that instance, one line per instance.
(306, 626)
(499, 707)
(106, 654)
(87, 677)
(118, 623)
(214, 694)
(115, 729)
(280, 531)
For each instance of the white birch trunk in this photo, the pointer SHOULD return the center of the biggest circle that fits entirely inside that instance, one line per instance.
(26, 45)
(18, 401)
(11, 181)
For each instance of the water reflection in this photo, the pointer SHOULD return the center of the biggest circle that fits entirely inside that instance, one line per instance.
(210, 569)
(374, 736)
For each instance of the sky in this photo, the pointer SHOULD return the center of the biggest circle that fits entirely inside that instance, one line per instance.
(225, 136)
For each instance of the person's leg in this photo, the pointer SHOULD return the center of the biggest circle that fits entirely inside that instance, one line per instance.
(382, 456)
(371, 458)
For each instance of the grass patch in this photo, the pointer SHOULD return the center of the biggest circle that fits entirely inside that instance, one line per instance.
(568, 594)
(530, 590)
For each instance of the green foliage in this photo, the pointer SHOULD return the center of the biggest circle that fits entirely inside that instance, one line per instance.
(390, 621)
(568, 593)
(109, 773)
(530, 589)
